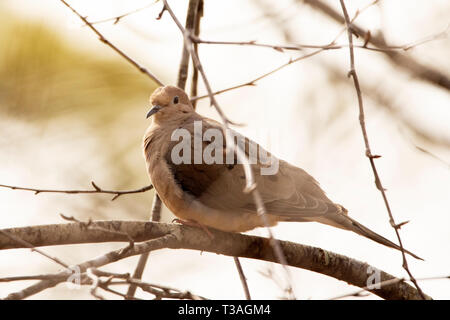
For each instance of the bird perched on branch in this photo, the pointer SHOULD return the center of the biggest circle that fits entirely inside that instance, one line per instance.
(199, 178)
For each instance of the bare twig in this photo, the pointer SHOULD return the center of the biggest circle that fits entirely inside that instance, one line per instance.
(96, 189)
(116, 19)
(368, 152)
(27, 278)
(108, 43)
(384, 283)
(291, 61)
(29, 245)
(184, 237)
(298, 47)
(158, 291)
(106, 288)
(243, 278)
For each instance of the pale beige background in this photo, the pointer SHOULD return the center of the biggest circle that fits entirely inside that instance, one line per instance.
(305, 114)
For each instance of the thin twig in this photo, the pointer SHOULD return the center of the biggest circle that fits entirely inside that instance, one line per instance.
(250, 181)
(158, 290)
(189, 26)
(194, 81)
(384, 283)
(368, 152)
(108, 43)
(298, 47)
(27, 278)
(96, 189)
(330, 46)
(116, 19)
(106, 288)
(253, 82)
(291, 61)
(33, 248)
(95, 282)
(139, 270)
(102, 260)
(243, 278)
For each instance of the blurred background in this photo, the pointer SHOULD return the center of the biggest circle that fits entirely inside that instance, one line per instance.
(72, 111)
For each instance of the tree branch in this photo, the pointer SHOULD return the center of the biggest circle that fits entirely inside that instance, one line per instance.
(116, 19)
(96, 189)
(299, 47)
(231, 244)
(352, 73)
(407, 63)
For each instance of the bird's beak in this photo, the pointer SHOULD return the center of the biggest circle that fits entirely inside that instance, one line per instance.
(153, 110)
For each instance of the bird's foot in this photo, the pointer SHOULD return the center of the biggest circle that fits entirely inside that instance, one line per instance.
(193, 223)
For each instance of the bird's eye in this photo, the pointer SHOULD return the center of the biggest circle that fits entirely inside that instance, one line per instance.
(175, 100)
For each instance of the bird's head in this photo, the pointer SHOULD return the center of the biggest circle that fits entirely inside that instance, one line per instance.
(169, 102)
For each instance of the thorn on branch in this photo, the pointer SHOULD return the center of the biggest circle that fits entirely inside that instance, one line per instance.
(68, 218)
(401, 224)
(95, 186)
(353, 31)
(372, 156)
(161, 12)
(85, 225)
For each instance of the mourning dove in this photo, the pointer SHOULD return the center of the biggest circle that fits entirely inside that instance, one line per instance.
(211, 194)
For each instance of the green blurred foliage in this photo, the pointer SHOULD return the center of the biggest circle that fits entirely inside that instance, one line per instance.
(41, 75)
(47, 82)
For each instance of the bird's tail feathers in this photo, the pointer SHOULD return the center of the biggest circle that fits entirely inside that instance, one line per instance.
(343, 221)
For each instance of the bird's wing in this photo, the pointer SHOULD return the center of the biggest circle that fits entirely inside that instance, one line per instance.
(290, 193)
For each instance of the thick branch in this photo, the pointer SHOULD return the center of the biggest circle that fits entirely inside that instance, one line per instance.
(231, 244)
